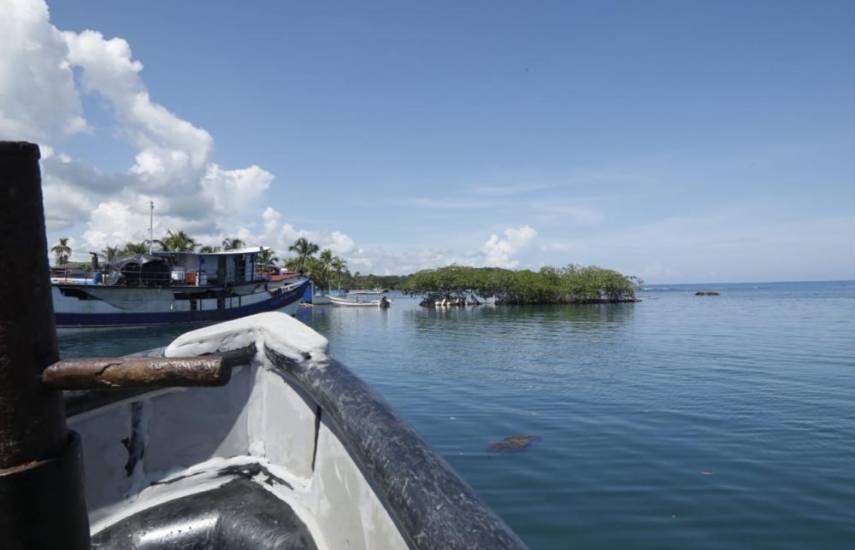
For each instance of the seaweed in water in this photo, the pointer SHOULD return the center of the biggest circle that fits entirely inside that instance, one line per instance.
(513, 443)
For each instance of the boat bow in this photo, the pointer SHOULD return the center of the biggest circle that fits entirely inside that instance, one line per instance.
(293, 421)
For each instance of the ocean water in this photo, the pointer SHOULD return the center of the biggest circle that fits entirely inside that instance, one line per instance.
(676, 422)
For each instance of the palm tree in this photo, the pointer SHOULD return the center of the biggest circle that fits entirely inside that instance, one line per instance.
(132, 249)
(304, 250)
(325, 268)
(315, 270)
(110, 253)
(293, 264)
(339, 266)
(209, 249)
(267, 259)
(177, 242)
(62, 251)
(232, 243)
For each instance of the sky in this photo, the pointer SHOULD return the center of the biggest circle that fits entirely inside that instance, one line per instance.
(675, 141)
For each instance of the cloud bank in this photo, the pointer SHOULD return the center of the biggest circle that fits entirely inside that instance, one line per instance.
(40, 100)
(45, 72)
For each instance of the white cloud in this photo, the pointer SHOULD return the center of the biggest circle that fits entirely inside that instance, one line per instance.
(271, 221)
(233, 190)
(500, 252)
(279, 236)
(38, 99)
(65, 204)
(340, 243)
(112, 224)
(173, 164)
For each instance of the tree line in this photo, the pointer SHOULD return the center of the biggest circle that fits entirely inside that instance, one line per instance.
(572, 284)
(173, 241)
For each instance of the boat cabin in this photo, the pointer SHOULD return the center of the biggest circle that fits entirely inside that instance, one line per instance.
(228, 268)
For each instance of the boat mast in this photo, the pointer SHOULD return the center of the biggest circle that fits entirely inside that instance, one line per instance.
(150, 226)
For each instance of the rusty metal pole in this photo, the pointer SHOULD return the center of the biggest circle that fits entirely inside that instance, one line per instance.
(41, 489)
(118, 373)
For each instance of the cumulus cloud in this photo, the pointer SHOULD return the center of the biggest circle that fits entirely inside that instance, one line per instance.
(109, 225)
(45, 71)
(173, 165)
(500, 251)
(38, 99)
(279, 236)
(233, 190)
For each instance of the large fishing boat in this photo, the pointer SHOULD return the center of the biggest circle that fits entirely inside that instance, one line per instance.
(174, 287)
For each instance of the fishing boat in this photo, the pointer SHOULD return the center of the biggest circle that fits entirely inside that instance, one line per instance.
(322, 297)
(174, 287)
(362, 298)
(245, 434)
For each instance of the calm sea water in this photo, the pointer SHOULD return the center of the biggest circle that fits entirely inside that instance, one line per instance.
(680, 421)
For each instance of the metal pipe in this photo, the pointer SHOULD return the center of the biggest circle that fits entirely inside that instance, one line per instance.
(136, 372)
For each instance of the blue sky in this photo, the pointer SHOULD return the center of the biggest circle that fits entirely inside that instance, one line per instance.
(681, 141)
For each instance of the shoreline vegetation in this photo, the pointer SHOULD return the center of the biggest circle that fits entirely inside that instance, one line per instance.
(453, 285)
(459, 285)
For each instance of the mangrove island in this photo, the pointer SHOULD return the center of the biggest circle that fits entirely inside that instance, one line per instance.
(460, 285)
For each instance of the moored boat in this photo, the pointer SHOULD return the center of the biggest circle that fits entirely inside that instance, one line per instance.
(174, 287)
(358, 299)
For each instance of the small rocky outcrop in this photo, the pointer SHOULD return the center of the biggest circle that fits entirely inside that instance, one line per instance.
(513, 443)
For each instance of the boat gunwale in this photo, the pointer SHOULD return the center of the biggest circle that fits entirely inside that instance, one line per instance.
(430, 504)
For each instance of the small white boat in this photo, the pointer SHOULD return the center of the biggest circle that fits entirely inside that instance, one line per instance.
(355, 299)
(322, 297)
(321, 300)
(345, 302)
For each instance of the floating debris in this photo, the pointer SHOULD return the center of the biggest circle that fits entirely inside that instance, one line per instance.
(513, 443)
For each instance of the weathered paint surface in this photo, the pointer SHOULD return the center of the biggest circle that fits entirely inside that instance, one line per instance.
(191, 435)
(136, 372)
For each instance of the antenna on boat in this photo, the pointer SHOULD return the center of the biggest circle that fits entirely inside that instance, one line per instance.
(150, 226)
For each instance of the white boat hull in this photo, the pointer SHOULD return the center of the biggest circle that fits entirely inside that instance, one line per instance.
(343, 302)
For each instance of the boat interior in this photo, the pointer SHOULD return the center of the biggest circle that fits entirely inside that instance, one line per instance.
(293, 452)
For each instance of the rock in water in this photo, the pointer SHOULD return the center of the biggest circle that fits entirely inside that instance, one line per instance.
(513, 443)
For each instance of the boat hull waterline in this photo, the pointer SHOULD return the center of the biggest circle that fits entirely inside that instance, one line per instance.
(343, 302)
(160, 307)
